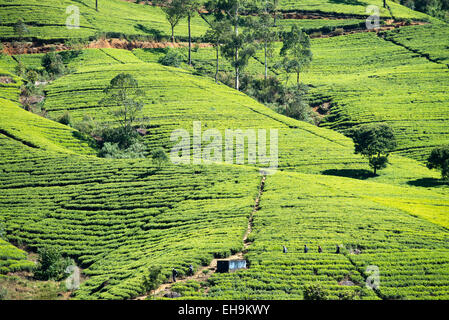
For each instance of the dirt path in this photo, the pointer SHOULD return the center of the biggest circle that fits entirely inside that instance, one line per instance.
(200, 274)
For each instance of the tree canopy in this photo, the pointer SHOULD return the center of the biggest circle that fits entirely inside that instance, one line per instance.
(439, 159)
(123, 91)
(374, 141)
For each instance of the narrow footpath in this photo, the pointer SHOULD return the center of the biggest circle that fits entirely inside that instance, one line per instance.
(201, 274)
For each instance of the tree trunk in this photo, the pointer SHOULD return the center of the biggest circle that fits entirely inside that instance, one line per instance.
(217, 65)
(173, 34)
(297, 78)
(385, 3)
(190, 42)
(266, 61)
(96, 5)
(237, 68)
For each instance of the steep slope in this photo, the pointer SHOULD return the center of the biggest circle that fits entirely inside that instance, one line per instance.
(368, 79)
(175, 99)
(46, 20)
(121, 219)
(409, 252)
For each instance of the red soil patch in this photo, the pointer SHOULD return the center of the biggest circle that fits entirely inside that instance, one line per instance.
(12, 48)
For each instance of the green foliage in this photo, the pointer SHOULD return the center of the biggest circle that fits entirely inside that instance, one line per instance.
(120, 136)
(20, 69)
(51, 264)
(124, 92)
(3, 293)
(173, 58)
(65, 119)
(296, 51)
(153, 279)
(53, 64)
(2, 231)
(32, 76)
(349, 295)
(20, 28)
(159, 157)
(174, 11)
(314, 291)
(439, 159)
(114, 151)
(376, 142)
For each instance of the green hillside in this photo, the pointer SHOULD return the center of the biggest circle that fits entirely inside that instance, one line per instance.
(350, 8)
(399, 87)
(123, 219)
(12, 259)
(411, 253)
(46, 19)
(302, 147)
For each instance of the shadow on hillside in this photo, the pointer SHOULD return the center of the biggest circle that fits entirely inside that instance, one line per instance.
(349, 2)
(361, 174)
(147, 174)
(150, 31)
(428, 182)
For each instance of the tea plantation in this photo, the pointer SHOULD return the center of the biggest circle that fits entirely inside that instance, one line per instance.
(410, 252)
(121, 219)
(302, 147)
(399, 87)
(46, 20)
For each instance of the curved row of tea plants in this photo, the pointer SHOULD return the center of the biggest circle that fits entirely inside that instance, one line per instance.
(410, 253)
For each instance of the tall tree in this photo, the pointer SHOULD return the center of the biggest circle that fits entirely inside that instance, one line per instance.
(216, 34)
(439, 159)
(190, 7)
(266, 34)
(124, 92)
(20, 29)
(239, 47)
(273, 6)
(375, 141)
(174, 11)
(296, 50)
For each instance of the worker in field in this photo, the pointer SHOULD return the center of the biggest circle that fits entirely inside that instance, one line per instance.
(284, 249)
(306, 249)
(338, 249)
(174, 274)
(191, 270)
(319, 249)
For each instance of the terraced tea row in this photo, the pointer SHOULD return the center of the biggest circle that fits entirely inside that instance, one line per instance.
(46, 19)
(348, 8)
(409, 252)
(302, 147)
(368, 79)
(428, 40)
(13, 259)
(119, 218)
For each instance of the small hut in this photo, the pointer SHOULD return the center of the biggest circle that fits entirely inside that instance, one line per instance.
(224, 266)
